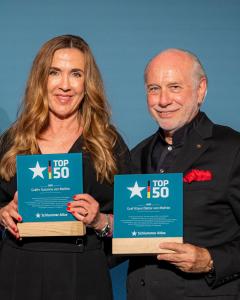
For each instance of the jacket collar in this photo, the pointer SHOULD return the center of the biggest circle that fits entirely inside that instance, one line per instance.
(196, 143)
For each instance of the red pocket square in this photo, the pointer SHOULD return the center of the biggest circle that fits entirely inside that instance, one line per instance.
(198, 175)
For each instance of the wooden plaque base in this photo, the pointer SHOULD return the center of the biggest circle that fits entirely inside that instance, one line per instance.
(141, 245)
(68, 228)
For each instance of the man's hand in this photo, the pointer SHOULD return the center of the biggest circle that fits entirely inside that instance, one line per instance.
(187, 257)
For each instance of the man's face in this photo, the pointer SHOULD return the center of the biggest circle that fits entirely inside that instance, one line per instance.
(173, 95)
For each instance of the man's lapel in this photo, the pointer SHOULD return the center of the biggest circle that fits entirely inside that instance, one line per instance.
(196, 144)
(194, 147)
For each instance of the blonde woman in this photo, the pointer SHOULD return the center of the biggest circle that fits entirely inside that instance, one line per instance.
(64, 110)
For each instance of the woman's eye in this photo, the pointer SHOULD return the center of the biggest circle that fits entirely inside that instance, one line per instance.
(53, 72)
(77, 74)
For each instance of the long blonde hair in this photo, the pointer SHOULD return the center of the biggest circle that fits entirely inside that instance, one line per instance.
(99, 136)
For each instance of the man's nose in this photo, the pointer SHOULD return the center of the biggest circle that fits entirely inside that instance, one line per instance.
(164, 99)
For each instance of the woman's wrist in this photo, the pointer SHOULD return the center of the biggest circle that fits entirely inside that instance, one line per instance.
(104, 228)
(1, 222)
(99, 222)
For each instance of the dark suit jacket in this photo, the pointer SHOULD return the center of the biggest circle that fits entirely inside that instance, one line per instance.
(211, 218)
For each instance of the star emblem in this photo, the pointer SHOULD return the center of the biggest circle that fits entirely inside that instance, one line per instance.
(37, 171)
(136, 190)
(134, 233)
(38, 215)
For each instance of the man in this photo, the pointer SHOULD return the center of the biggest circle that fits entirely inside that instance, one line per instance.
(207, 264)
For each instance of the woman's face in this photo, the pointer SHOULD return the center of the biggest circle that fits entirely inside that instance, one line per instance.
(65, 85)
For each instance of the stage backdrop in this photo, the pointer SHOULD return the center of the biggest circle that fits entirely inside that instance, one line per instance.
(124, 35)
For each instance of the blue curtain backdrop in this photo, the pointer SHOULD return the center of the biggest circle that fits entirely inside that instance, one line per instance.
(124, 35)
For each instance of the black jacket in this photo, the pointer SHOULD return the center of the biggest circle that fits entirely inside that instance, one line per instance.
(211, 218)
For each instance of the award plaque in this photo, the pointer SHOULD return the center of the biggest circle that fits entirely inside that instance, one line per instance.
(148, 209)
(45, 184)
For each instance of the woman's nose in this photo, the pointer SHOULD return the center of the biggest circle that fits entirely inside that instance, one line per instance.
(64, 84)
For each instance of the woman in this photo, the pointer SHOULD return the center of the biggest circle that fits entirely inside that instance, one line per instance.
(64, 111)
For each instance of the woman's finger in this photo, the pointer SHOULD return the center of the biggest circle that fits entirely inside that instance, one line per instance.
(84, 197)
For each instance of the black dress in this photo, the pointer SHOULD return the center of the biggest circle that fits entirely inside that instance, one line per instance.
(60, 268)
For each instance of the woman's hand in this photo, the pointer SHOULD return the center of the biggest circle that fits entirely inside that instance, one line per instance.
(86, 209)
(9, 215)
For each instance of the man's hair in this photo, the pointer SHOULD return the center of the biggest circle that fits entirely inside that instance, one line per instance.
(99, 136)
(198, 69)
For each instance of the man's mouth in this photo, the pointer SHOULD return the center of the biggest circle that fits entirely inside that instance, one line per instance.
(163, 113)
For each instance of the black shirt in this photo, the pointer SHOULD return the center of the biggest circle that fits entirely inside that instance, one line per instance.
(164, 154)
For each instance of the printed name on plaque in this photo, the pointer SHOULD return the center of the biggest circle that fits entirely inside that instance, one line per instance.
(45, 184)
(148, 209)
